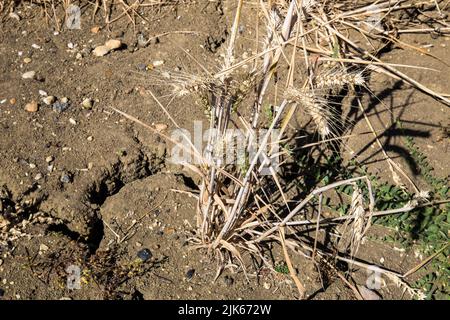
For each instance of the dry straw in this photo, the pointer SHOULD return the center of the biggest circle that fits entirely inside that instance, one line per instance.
(239, 210)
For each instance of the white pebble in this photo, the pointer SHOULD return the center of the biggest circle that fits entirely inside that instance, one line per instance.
(49, 100)
(100, 51)
(158, 63)
(35, 46)
(87, 103)
(72, 121)
(42, 93)
(29, 75)
(113, 44)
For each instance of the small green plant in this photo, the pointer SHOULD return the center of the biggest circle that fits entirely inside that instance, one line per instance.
(427, 227)
(268, 111)
(432, 228)
(439, 186)
(282, 268)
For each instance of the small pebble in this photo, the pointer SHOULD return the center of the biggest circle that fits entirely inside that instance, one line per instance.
(64, 100)
(49, 159)
(27, 60)
(87, 104)
(100, 51)
(32, 165)
(70, 45)
(35, 46)
(190, 273)
(113, 44)
(29, 75)
(141, 66)
(157, 63)
(90, 138)
(32, 107)
(160, 127)
(142, 42)
(72, 121)
(42, 93)
(95, 29)
(49, 100)
(59, 106)
(144, 254)
(12, 101)
(38, 176)
(79, 56)
(65, 178)
(266, 285)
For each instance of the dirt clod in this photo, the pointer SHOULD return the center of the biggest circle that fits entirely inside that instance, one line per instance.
(32, 107)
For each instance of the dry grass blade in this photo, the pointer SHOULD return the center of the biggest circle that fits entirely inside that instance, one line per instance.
(301, 289)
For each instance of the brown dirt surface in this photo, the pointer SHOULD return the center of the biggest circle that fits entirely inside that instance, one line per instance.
(104, 186)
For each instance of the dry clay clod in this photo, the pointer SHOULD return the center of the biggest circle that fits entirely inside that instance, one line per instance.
(109, 46)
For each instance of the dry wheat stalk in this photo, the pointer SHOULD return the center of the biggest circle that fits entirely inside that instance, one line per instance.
(239, 210)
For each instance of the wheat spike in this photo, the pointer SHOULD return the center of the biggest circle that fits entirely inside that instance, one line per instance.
(339, 78)
(358, 212)
(317, 108)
